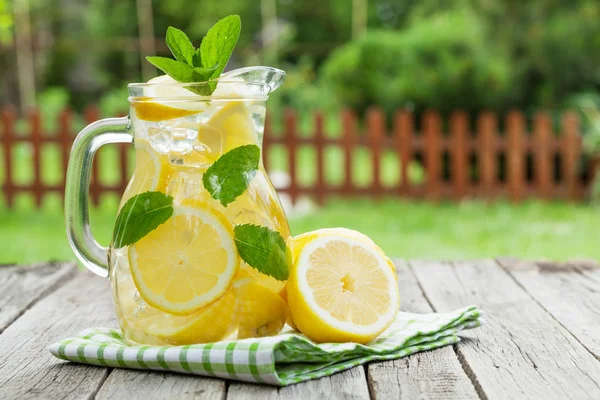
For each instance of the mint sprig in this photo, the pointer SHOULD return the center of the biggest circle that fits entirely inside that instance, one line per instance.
(263, 249)
(180, 45)
(140, 215)
(205, 63)
(229, 176)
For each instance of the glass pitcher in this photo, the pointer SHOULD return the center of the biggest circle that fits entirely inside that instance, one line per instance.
(184, 282)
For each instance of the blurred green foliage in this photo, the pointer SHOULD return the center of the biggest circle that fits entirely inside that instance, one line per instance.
(443, 62)
(472, 54)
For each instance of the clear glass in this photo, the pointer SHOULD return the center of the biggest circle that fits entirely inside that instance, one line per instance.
(184, 282)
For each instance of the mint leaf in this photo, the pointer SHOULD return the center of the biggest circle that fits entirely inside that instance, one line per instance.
(180, 45)
(178, 70)
(263, 249)
(197, 58)
(219, 42)
(140, 215)
(231, 174)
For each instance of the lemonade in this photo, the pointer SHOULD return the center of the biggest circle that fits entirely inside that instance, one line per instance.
(184, 282)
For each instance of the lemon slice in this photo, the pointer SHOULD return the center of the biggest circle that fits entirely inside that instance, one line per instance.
(148, 325)
(148, 110)
(234, 122)
(187, 262)
(261, 311)
(151, 171)
(342, 289)
(298, 242)
(211, 324)
(181, 99)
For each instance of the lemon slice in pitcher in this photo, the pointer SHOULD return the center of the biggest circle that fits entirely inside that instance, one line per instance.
(151, 169)
(187, 262)
(341, 289)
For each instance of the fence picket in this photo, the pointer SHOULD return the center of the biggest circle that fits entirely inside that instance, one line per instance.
(348, 142)
(292, 145)
(66, 140)
(403, 124)
(487, 127)
(515, 158)
(433, 154)
(571, 152)
(92, 114)
(266, 145)
(459, 172)
(542, 152)
(8, 123)
(375, 125)
(319, 141)
(35, 126)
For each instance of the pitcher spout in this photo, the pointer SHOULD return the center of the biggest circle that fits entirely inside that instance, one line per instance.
(264, 79)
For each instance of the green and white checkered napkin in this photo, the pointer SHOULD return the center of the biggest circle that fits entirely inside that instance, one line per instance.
(279, 360)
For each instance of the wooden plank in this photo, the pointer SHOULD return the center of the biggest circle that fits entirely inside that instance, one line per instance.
(142, 385)
(542, 154)
(23, 286)
(571, 152)
(8, 125)
(522, 352)
(488, 134)
(433, 154)
(515, 156)
(403, 136)
(459, 125)
(376, 134)
(570, 292)
(292, 147)
(432, 374)
(350, 384)
(319, 143)
(28, 370)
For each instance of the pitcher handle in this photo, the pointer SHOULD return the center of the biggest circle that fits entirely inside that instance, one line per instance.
(77, 185)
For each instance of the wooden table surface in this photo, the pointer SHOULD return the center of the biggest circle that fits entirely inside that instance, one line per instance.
(541, 340)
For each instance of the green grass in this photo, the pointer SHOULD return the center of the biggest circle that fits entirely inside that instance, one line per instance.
(404, 229)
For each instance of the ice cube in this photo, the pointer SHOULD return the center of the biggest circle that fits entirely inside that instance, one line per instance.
(182, 140)
(186, 184)
(212, 138)
(159, 139)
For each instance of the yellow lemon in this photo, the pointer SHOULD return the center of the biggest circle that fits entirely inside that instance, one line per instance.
(284, 296)
(211, 324)
(148, 110)
(150, 173)
(187, 262)
(261, 311)
(234, 123)
(298, 242)
(149, 325)
(341, 289)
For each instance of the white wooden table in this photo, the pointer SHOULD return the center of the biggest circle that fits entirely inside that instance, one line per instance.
(542, 339)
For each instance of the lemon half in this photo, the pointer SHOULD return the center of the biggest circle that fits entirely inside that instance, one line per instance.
(342, 289)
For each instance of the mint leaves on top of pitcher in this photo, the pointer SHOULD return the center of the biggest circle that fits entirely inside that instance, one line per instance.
(205, 62)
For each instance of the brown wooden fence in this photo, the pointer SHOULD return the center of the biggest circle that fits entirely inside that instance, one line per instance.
(459, 157)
